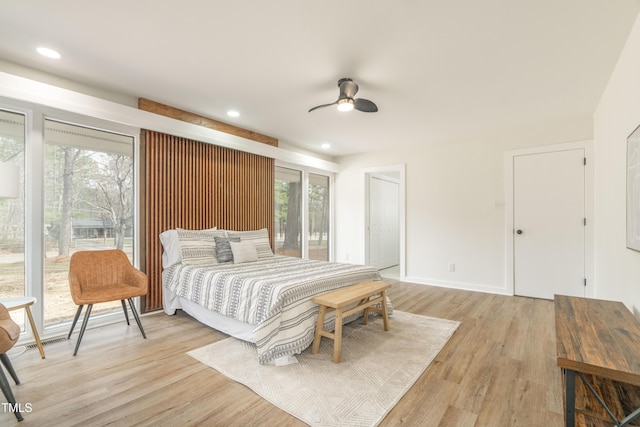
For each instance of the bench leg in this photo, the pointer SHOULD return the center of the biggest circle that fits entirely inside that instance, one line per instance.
(319, 328)
(365, 316)
(337, 339)
(385, 314)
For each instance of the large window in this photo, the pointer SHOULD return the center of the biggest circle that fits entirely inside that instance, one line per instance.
(288, 208)
(88, 205)
(74, 191)
(297, 209)
(318, 217)
(12, 277)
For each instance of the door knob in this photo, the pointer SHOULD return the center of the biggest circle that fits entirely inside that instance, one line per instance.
(519, 231)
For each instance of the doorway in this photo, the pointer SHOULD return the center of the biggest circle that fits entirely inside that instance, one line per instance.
(384, 220)
(547, 231)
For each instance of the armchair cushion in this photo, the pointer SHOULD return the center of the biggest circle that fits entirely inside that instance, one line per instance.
(9, 330)
(102, 276)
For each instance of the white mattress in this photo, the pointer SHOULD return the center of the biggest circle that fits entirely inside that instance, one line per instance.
(171, 302)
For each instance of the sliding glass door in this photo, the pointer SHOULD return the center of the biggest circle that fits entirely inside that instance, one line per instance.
(88, 205)
(74, 189)
(318, 217)
(12, 214)
(288, 209)
(302, 202)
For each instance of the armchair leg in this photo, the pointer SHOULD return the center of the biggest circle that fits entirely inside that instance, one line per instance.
(8, 394)
(7, 364)
(135, 315)
(84, 326)
(124, 308)
(75, 320)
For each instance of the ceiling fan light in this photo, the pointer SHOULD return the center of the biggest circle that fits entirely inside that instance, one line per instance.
(345, 104)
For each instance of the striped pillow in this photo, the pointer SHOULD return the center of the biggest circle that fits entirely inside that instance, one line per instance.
(199, 246)
(260, 238)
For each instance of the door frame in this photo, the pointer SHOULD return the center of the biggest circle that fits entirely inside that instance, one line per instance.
(587, 146)
(366, 172)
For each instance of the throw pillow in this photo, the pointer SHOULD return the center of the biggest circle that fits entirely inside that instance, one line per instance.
(243, 252)
(260, 239)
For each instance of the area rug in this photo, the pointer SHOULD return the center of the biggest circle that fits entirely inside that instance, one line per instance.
(376, 370)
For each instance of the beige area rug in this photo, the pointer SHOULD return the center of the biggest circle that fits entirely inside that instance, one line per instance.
(376, 370)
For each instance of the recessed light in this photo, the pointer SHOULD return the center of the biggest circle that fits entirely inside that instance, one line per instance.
(49, 53)
(326, 146)
(233, 113)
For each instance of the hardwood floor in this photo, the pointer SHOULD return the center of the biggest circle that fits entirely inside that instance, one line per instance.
(498, 369)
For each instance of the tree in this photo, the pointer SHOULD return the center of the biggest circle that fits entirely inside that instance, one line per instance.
(87, 184)
(116, 184)
(292, 230)
(71, 155)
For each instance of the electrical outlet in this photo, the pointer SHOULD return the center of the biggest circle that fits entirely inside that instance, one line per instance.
(452, 267)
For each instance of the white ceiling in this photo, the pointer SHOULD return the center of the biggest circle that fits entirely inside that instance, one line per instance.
(438, 70)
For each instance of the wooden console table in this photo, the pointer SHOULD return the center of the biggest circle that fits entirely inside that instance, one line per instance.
(597, 339)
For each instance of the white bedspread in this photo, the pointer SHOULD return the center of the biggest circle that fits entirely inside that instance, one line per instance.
(274, 294)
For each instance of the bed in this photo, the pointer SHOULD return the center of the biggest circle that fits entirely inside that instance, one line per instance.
(260, 297)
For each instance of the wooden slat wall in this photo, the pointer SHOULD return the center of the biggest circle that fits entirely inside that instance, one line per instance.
(195, 185)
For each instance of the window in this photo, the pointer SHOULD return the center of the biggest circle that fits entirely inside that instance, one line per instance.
(75, 191)
(288, 206)
(290, 203)
(12, 144)
(318, 217)
(88, 205)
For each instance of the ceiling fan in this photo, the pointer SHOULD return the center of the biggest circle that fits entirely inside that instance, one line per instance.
(346, 100)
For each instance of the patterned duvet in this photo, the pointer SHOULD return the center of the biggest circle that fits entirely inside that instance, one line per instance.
(274, 294)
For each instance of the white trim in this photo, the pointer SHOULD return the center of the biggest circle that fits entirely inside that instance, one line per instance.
(457, 285)
(23, 89)
(509, 156)
(401, 169)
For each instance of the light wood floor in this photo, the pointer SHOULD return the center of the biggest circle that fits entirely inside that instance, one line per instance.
(497, 370)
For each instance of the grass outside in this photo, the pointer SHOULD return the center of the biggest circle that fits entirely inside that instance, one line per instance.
(59, 305)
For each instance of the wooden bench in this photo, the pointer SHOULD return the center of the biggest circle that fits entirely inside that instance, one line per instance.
(364, 295)
(599, 343)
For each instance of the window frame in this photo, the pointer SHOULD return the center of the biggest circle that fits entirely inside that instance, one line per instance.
(35, 117)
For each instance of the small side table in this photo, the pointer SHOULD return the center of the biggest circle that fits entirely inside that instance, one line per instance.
(16, 303)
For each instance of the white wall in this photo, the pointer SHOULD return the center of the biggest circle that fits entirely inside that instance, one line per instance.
(617, 269)
(451, 191)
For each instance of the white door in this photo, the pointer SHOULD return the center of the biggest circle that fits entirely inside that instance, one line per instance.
(549, 224)
(384, 231)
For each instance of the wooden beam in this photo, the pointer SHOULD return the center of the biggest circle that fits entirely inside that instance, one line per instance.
(186, 116)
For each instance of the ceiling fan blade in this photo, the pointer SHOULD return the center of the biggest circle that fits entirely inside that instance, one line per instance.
(365, 105)
(322, 106)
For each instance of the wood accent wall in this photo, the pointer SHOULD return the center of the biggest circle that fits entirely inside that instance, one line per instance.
(195, 185)
(186, 116)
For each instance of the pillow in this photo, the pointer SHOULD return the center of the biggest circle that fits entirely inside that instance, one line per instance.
(198, 247)
(243, 252)
(259, 238)
(171, 252)
(223, 248)
(170, 248)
